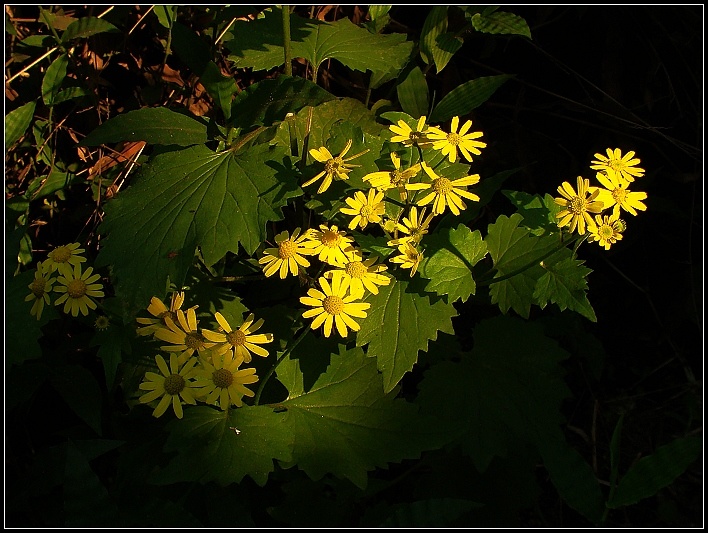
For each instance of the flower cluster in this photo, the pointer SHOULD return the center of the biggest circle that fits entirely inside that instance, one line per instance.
(77, 287)
(615, 173)
(204, 365)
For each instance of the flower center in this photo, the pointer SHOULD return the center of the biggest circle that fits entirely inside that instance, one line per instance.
(60, 254)
(442, 186)
(236, 338)
(356, 269)
(76, 288)
(287, 249)
(194, 340)
(366, 211)
(397, 177)
(616, 164)
(333, 305)
(412, 255)
(619, 195)
(222, 378)
(415, 136)
(453, 138)
(606, 231)
(330, 238)
(37, 287)
(577, 205)
(174, 384)
(333, 164)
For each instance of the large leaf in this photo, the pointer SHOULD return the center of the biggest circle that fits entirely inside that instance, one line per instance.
(154, 125)
(409, 320)
(17, 121)
(194, 197)
(564, 284)
(451, 254)
(467, 96)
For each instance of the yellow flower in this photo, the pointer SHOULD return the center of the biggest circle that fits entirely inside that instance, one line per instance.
(616, 194)
(625, 165)
(334, 306)
(40, 288)
(102, 323)
(388, 179)
(78, 289)
(445, 191)
(606, 230)
(185, 337)
(240, 341)
(361, 273)
(363, 209)
(578, 206)
(63, 258)
(330, 245)
(173, 384)
(410, 257)
(158, 309)
(334, 166)
(223, 383)
(449, 143)
(288, 254)
(414, 228)
(408, 136)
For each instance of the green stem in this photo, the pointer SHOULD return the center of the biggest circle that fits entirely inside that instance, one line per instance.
(287, 352)
(286, 41)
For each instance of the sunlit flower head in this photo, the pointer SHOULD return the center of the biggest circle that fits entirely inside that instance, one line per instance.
(388, 179)
(333, 306)
(450, 143)
(242, 341)
(625, 165)
(577, 206)
(288, 256)
(409, 136)
(172, 384)
(606, 230)
(40, 288)
(330, 245)
(221, 382)
(445, 192)
(78, 291)
(361, 273)
(64, 258)
(410, 257)
(413, 227)
(159, 310)
(183, 335)
(365, 209)
(616, 195)
(334, 166)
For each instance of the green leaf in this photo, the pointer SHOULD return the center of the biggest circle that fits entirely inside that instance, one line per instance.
(539, 212)
(466, 97)
(413, 93)
(501, 22)
(22, 330)
(410, 320)
(189, 198)
(17, 121)
(435, 512)
(53, 78)
(71, 93)
(112, 343)
(165, 15)
(79, 389)
(56, 181)
(435, 24)
(451, 254)
(154, 125)
(564, 284)
(85, 27)
(652, 473)
(447, 44)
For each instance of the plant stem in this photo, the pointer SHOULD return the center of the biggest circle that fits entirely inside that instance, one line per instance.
(286, 41)
(287, 352)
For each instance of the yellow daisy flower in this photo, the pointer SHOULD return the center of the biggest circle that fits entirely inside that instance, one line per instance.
(361, 274)
(173, 384)
(449, 143)
(330, 245)
(40, 288)
(388, 179)
(364, 209)
(78, 291)
(616, 195)
(410, 257)
(101, 323)
(578, 205)
(332, 305)
(185, 337)
(241, 341)
(445, 192)
(414, 228)
(606, 230)
(334, 166)
(159, 310)
(222, 383)
(626, 165)
(64, 258)
(288, 254)
(408, 136)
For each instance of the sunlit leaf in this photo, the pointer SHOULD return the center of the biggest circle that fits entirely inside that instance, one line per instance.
(539, 212)
(435, 24)
(413, 93)
(17, 121)
(501, 22)
(85, 27)
(467, 96)
(564, 284)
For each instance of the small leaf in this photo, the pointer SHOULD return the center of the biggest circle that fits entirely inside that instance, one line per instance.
(564, 284)
(85, 27)
(53, 78)
(539, 212)
(467, 96)
(501, 22)
(47, 185)
(71, 93)
(17, 121)
(413, 93)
